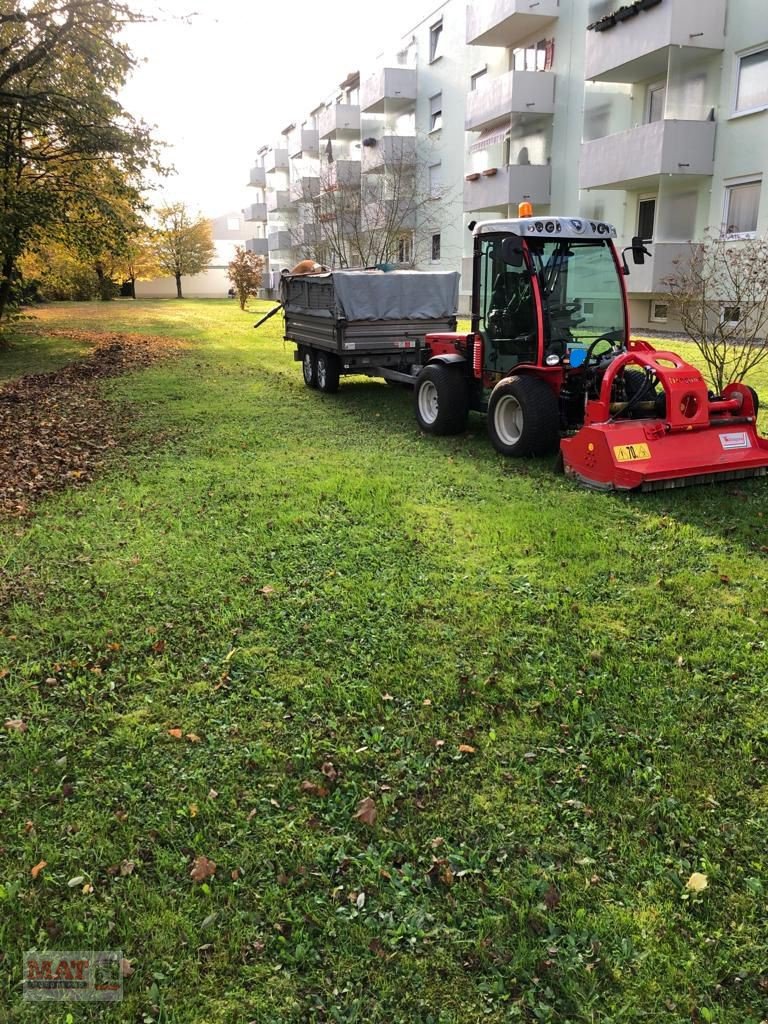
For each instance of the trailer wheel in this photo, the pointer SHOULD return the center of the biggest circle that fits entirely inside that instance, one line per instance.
(327, 372)
(309, 367)
(523, 417)
(440, 400)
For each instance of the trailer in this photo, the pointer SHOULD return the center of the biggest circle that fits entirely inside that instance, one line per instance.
(366, 322)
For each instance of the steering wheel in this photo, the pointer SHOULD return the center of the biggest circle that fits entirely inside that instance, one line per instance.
(611, 337)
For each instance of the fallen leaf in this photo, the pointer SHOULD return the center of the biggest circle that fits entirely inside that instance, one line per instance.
(16, 725)
(234, 874)
(698, 882)
(158, 646)
(29, 826)
(366, 812)
(126, 968)
(313, 788)
(212, 794)
(551, 898)
(202, 869)
(464, 748)
(38, 868)
(77, 880)
(193, 809)
(126, 867)
(193, 737)
(176, 733)
(329, 771)
(427, 702)
(387, 696)
(267, 591)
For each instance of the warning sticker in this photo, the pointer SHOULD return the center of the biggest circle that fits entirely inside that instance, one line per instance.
(631, 452)
(735, 439)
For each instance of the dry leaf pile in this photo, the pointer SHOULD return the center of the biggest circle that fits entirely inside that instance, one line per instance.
(55, 428)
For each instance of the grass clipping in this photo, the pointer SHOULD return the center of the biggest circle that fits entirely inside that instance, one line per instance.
(56, 429)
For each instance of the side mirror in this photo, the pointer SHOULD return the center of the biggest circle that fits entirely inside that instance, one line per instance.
(639, 251)
(512, 251)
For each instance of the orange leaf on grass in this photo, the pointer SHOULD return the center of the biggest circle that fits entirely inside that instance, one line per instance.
(202, 869)
(35, 871)
(366, 812)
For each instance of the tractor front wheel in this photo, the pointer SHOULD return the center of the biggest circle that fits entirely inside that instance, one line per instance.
(523, 417)
(441, 403)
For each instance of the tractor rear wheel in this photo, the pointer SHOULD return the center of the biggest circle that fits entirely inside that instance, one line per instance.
(309, 367)
(440, 400)
(523, 417)
(327, 372)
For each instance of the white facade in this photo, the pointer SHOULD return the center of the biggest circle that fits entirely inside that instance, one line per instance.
(651, 114)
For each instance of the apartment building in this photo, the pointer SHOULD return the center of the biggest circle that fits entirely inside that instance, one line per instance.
(652, 114)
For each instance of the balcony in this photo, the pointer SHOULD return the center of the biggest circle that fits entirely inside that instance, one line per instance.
(256, 211)
(396, 151)
(341, 174)
(277, 200)
(509, 186)
(517, 95)
(387, 213)
(636, 49)
(304, 189)
(276, 160)
(508, 22)
(634, 159)
(279, 241)
(257, 177)
(257, 245)
(648, 278)
(312, 234)
(303, 142)
(389, 90)
(342, 120)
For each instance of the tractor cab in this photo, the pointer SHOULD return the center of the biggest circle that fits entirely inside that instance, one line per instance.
(547, 292)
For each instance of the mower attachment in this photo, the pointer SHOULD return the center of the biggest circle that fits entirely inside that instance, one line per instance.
(693, 439)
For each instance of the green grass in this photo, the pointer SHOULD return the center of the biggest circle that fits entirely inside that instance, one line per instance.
(605, 658)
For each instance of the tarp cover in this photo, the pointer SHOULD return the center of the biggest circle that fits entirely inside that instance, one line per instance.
(396, 295)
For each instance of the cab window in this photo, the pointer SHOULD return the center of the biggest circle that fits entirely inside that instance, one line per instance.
(507, 312)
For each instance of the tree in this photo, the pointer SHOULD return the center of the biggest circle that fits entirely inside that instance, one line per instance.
(139, 260)
(183, 244)
(720, 294)
(245, 272)
(386, 215)
(63, 134)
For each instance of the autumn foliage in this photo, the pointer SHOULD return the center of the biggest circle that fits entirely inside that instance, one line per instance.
(245, 272)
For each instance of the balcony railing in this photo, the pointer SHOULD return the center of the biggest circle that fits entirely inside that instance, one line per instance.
(394, 151)
(257, 177)
(339, 120)
(515, 95)
(341, 173)
(388, 213)
(634, 49)
(257, 245)
(635, 158)
(256, 211)
(276, 160)
(508, 22)
(508, 186)
(648, 278)
(303, 142)
(304, 189)
(277, 200)
(389, 90)
(279, 241)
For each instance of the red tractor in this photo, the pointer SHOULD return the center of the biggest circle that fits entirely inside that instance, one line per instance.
(550, 361)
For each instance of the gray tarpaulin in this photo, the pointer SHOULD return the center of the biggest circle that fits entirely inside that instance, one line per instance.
(376, 295)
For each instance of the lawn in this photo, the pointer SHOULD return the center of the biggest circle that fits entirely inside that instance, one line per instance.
(276, 605)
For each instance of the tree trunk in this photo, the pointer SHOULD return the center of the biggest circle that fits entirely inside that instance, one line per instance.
(9, 264)
(178, 287)
(133, 287)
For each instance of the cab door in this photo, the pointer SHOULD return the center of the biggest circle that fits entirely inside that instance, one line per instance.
(506, 309)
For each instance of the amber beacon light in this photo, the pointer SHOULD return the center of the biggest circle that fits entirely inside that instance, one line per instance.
(524, 210)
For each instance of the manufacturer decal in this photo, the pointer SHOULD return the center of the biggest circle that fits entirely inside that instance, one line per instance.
(735, 439)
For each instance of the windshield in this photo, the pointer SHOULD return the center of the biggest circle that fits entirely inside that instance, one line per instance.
(581, 292)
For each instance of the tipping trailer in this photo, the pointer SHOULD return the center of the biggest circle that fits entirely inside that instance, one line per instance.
(548, 358)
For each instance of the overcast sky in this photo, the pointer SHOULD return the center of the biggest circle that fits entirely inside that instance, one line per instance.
(227, 80)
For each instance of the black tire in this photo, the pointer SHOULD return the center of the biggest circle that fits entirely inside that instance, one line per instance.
(309, 367)
(523, 417)
(440, 400)
(327, 370)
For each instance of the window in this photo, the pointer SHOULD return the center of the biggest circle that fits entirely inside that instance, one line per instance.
(656, 96)
(233, 223)
(405, 249)
(730, 315)
(477, 77)
(435, 41)
(535, 57)
(742, 200)
(752, 82)
(435, 181)
(659, 312)
(435, 247)
(436, 112)
(646, 214)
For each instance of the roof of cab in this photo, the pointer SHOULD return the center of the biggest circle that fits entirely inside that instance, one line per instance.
(547, 227)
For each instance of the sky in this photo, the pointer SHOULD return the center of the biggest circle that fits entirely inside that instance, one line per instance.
(225, 80)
